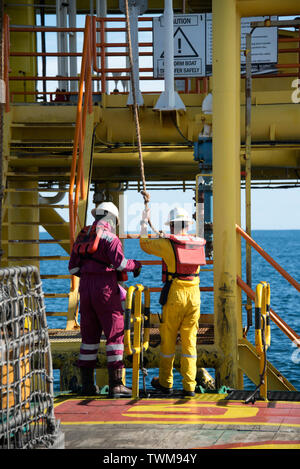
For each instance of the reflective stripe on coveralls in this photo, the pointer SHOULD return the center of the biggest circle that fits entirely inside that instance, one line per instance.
(180, 313)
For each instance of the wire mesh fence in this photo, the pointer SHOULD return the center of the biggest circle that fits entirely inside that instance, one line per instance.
(26, 387)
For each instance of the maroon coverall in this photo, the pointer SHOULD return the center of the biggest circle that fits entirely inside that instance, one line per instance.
(100, 303)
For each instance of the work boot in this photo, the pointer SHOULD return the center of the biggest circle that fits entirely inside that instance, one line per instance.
(116, 386)
(87, 380)
(156, 384)
(186, 393)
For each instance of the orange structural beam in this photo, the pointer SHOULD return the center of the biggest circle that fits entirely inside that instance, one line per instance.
(268, 258)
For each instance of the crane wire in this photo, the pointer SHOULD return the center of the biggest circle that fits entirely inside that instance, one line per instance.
(145, 194)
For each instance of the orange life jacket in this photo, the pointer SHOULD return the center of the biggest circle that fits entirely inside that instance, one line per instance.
(87, 243)
(189, 254)
(87, 240)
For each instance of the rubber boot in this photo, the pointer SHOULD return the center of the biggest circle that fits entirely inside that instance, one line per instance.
(156, 384)
(87, 379)
(116, 386)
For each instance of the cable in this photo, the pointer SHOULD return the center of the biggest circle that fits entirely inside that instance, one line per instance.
(190, 143)
(144, 192)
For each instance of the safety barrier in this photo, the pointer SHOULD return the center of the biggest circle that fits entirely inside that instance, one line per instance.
(268, 258)
(288, 331)
(139, 311)
(262, 332)
(283, 326)
(26, 376)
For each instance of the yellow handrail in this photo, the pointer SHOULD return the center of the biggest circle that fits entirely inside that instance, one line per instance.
(135, 292)
(262, 332)
(258, 302)
(283, 326)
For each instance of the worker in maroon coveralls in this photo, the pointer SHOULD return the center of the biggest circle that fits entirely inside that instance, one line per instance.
(100, 301)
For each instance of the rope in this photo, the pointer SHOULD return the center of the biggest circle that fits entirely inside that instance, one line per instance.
(145, 194)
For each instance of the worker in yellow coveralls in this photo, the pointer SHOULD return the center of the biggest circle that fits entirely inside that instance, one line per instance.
(181, 255)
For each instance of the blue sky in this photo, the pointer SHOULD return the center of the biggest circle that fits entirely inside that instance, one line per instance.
(275, 209)
(272, 209)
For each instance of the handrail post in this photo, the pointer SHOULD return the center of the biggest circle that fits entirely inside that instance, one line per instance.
(262, 333)
(136, 340)
(134, 296)
(285, 328)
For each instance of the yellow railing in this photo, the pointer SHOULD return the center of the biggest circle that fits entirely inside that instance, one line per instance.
(288, 331)
(138, 347)
(262, 332)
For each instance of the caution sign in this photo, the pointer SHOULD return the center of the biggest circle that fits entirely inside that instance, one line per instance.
(189, 46)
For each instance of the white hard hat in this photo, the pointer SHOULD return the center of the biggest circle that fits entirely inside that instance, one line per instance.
(108, 207)
(178, 214)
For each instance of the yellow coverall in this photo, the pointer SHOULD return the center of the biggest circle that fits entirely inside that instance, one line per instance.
(180, 313)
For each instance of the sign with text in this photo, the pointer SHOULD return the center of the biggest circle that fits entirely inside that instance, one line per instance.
(193, 45)
(189, 46)
(263, 44)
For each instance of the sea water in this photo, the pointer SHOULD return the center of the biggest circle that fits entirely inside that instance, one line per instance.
(283, 246)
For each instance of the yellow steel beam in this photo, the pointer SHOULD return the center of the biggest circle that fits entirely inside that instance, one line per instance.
(267, 7)
(19, 222)
(274, 116)
(226, 132)
(182, 160)
(55, 225)
(23, 14)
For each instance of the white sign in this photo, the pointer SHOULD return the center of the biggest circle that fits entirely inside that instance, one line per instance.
(263, 44)
(189, 46)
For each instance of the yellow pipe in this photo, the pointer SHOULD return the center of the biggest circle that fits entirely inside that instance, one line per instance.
(20, 42)
(226, 122)
(267, 7)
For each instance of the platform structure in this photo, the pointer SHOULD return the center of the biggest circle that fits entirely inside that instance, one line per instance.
(38, 137)
(205, 421)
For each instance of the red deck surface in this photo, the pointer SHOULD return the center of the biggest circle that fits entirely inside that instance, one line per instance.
(176, 411)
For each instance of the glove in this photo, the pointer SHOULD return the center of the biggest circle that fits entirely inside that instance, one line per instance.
(137, 271)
